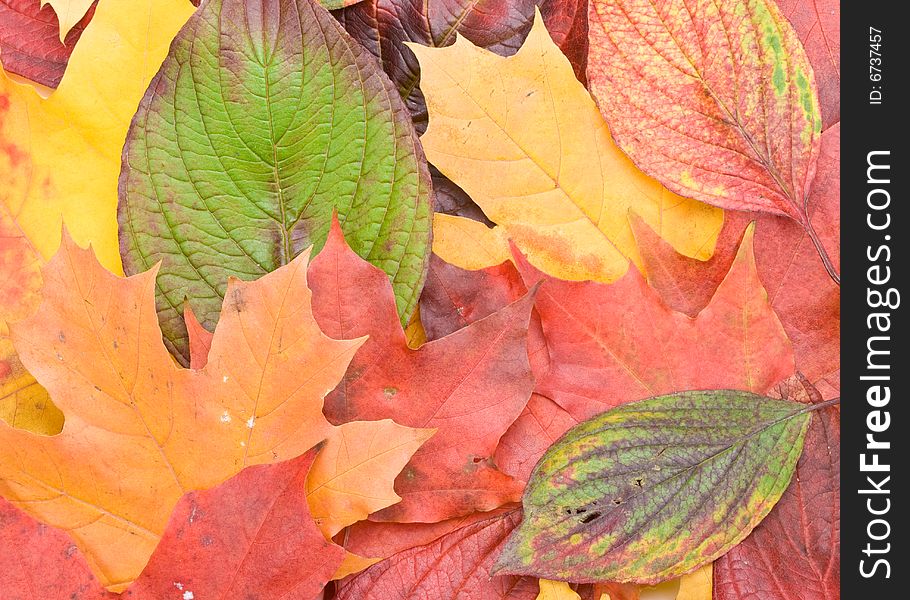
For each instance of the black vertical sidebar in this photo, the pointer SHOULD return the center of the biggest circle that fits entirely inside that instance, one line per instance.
(875, 229)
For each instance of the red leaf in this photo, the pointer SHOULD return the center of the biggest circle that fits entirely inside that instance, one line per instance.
(470, 385)
(612, 344)
(200, 339)
(250, 537)
(453, 298)
(38, 562)
(802, 294)
(541, 423)
(795, 551)
(737, 126)
(455, 566)
(30, 40)
(382, 540)
(817, 24)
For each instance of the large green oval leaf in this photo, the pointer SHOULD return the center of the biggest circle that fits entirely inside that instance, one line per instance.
(264, 118)
(653, 489)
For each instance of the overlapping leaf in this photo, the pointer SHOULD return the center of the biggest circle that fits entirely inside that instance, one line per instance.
(264, 119)
(23, 403)
(68, 146)
(456, 566)
(139, 431)
(69, 12)
(384, 27)
(470, 386)
(611, 344)
(801, 293)
(818, 26)
(30, 44)
(220, 543)
(780, 559)
(59, 160)
(726, 95)
(524, 139)
(653, 489)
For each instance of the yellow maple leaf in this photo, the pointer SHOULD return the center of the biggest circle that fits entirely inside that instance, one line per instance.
(525, 140)
(71, 141)
(23, 403)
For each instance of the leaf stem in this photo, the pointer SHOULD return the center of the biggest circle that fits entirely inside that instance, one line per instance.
(820, 248)
(818, 406)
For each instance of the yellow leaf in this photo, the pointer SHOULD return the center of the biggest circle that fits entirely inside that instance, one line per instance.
(60, 161)
(69, 12)
(23, 403)
(72, 140)
(414, 332)
(556, 590)
(525, 140)
(354, 473)
(469, 243)
(697, 585)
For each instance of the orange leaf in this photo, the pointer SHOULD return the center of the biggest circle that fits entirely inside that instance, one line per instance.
(140, 431)
(354, 472)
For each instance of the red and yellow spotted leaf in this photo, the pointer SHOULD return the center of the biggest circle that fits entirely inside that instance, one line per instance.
(725, 93)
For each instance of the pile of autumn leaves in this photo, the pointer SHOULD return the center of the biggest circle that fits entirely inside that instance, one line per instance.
(365, 417)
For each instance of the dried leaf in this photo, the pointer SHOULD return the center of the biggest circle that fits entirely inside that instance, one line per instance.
(42, 563)
(354, 472)
(500, 129)
(537, 428)
(556, 590)
(59, 159)
(801, 293)
(140, 431)
(69, 144)
(200, 339)
(698, 585)
(69, 12)
(470, 385)
(653, 489)
(251, 537)
(218, 543)
(263, 120)
(817, 24)
(468, 243)
(23, 403)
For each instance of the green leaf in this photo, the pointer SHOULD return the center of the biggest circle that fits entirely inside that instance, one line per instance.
(653, 489)
(336, 4)
(264, 118)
